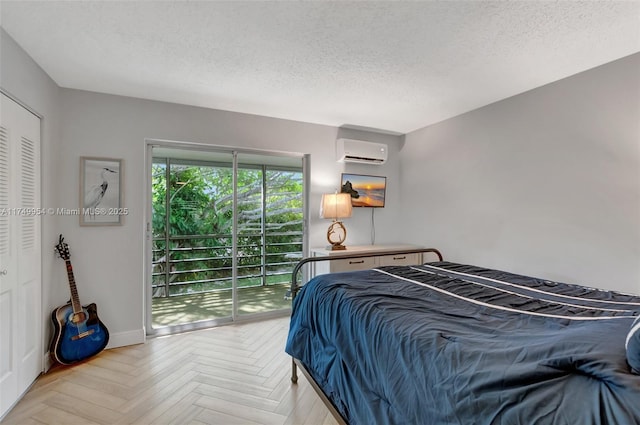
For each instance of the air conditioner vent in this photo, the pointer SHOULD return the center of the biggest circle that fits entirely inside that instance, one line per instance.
(350, 150)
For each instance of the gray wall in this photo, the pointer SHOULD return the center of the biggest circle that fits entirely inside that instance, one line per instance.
(546, 183)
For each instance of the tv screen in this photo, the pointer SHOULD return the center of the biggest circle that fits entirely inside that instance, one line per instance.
(365, 191)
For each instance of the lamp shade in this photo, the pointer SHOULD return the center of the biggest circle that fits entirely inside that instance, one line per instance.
(335, 206)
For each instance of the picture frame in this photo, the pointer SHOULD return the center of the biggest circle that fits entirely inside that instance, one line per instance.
(365, 190)
(101, 192)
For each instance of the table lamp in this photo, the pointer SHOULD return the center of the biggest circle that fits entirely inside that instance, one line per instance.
(335, 206)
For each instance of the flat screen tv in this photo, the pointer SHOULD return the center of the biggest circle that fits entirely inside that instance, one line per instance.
(366, 191)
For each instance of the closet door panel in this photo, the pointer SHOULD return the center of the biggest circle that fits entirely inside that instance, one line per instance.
(21, 352)
(29, 258)
(8, 266)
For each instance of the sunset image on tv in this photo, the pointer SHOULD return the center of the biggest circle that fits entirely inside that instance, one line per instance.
(365, 191)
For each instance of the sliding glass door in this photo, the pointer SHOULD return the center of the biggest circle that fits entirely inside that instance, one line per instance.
(192, 240)
(227, 228)
(270, 232)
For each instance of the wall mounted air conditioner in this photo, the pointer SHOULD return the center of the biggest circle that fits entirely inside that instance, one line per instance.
(350, 150)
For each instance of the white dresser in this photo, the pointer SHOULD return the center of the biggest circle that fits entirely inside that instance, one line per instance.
(344, 265)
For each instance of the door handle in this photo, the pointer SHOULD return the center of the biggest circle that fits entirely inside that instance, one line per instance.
(4, 272)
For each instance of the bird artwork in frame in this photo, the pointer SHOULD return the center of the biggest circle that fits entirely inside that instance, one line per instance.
(101, 192)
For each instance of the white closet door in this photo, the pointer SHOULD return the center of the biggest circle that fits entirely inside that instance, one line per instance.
(21, 352)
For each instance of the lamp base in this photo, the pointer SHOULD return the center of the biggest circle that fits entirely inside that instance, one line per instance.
(336, 248)
(336, 234)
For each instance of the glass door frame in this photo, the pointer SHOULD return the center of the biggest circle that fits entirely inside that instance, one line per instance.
(150, 144)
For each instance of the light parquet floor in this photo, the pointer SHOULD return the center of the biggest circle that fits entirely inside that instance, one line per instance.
(235, 374)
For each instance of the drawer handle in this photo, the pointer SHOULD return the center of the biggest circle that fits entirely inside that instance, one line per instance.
(356, 262)
(400, 258)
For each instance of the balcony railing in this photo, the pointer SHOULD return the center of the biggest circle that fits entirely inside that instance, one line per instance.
(203, 263)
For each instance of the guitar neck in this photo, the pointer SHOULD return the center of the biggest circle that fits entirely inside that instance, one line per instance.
(75, 300)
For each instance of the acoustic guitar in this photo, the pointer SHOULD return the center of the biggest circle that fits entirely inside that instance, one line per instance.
(78, 332)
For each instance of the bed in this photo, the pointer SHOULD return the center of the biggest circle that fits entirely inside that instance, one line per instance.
(448, 343)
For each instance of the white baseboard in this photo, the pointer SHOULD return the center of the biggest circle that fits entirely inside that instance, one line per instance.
(122, 339)
(48, 361)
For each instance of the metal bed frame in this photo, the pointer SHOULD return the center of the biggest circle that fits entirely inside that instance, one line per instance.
(295, 363)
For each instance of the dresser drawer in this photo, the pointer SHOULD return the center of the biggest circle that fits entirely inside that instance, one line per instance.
(353, 264)
(379, 257)
(400, 259)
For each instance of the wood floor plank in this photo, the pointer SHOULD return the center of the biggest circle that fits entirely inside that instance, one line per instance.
(317, 414)
(110, 363)
(86, 411)
(183, 411)
(248, 400)
(204, 359)
(84, 394)
(113, 376)
(53, 415)
(233, 385)
(241, 411)
(234, 374)
(24, 413)
(237, 375)
(207, 417)
(151, 412)
(158, 392)
(107, 387)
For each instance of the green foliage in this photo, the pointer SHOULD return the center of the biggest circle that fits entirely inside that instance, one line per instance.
(200, 224)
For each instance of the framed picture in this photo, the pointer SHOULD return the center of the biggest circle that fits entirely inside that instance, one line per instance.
(366, 191)
(101, 192)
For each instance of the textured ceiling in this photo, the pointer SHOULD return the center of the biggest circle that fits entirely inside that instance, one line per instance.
(395, 66)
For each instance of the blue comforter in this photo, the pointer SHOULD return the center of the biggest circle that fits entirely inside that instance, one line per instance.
(445, 343)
